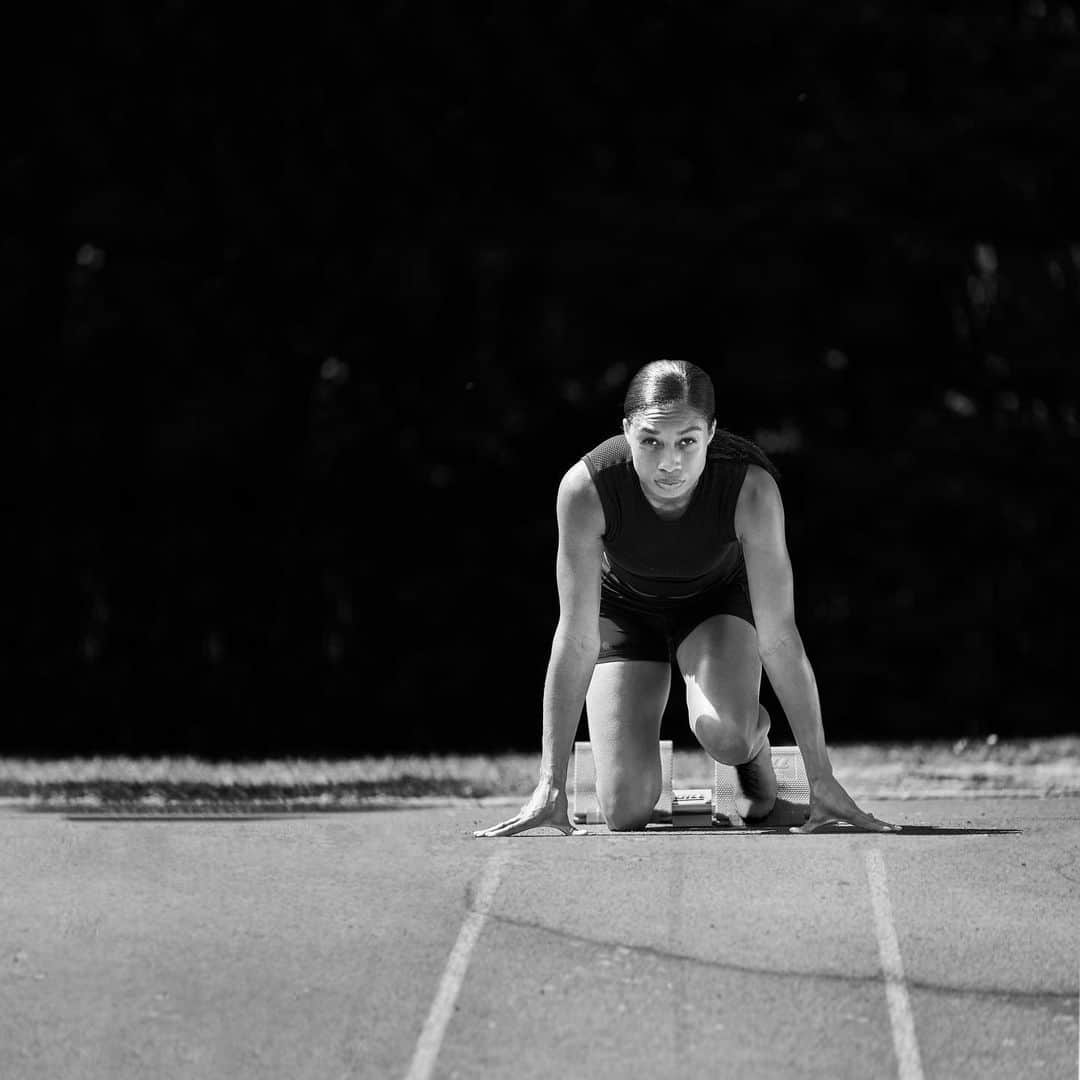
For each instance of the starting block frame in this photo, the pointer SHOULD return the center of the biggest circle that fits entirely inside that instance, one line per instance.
(792, 802)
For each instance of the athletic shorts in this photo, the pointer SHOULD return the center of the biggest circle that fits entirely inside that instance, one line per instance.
(638, 629)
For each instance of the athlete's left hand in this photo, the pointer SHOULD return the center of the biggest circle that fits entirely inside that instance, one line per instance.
(830, 802)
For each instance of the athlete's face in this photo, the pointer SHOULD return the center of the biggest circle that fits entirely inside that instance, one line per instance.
(668, 446)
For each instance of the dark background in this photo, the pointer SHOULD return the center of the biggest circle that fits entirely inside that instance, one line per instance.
(308, 315)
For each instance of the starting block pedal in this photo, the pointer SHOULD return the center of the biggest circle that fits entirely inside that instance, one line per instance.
(792, 792)
(584, 804)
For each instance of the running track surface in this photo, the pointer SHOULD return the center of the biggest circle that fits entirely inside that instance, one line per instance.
(394, 944)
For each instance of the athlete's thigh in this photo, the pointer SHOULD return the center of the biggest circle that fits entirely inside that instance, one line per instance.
(625, 704)
(721, 667)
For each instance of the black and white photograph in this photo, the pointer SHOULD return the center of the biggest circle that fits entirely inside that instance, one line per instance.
(541, 541)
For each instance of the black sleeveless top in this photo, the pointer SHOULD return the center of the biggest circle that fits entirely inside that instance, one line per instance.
(646, 556)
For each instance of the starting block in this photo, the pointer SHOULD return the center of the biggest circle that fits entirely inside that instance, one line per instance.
(792, 792)
(700, 807)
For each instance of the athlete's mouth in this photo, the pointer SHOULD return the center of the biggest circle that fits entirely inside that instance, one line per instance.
(670, 481)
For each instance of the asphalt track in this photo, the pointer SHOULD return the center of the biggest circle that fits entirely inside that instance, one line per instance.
(394, 944)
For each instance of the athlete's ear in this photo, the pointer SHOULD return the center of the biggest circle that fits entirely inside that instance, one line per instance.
(712, 432)
(626, 427)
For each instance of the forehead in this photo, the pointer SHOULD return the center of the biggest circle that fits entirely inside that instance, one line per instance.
(667, 418)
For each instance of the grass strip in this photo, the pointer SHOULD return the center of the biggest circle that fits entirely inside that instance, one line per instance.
(1047, 766)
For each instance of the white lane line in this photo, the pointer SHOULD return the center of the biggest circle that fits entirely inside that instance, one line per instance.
(442, 1008)
(903, 1024)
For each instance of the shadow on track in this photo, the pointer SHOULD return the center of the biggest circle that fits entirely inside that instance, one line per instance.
(181, 817)
(825, 830)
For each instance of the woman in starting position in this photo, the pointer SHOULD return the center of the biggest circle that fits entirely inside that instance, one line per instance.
(672, 548)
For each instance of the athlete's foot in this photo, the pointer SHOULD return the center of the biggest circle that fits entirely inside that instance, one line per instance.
(757, 784)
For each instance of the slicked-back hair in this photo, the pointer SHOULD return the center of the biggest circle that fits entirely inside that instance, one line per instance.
(670, 382)
(678, 382)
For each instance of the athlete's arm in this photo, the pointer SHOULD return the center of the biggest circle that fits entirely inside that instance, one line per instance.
(759, 524)
(576, 643)
(574, 650)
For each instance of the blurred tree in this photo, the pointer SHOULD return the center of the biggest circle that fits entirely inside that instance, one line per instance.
(320, 310)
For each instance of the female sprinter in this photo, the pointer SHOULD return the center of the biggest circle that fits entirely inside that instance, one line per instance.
(672, 548)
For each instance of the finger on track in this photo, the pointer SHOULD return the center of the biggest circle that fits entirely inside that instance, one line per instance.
(493, 830)
(868, 821)
(515, 826)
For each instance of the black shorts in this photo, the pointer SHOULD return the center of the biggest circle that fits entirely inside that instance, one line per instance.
(637, 629)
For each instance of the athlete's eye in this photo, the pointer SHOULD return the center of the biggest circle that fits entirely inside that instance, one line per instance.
(689, 440)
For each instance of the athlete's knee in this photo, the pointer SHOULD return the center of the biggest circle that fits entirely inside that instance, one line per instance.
(628, 805)
(732, 738)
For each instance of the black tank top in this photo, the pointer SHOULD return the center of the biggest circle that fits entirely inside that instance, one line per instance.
(648, 556)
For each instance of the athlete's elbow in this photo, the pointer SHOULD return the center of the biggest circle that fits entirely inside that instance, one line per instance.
(576, 639)
(782, 638)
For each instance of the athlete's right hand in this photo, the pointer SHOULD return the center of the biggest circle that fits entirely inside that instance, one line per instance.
(546, 807)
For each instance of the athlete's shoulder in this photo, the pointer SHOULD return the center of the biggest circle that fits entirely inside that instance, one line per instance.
(611, 452)
(578, 503)
(760, 482)
(734, 452)
(759, 506)
(720, 457)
